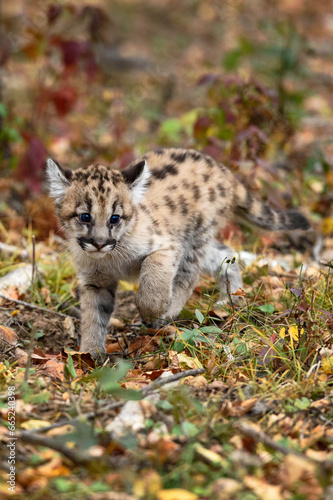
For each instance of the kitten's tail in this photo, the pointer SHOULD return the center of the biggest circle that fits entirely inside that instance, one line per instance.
(263, 215)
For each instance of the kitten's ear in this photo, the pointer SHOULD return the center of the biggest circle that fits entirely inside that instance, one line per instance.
(137, 176)
(59, 179)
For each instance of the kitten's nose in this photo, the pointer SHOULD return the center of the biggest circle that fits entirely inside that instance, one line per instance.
(99, 246)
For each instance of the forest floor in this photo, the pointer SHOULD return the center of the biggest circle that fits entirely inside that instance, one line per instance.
(229, 402)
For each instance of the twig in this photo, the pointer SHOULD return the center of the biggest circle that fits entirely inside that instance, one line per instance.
(30, 350)
(32, 306)
(173, 378)
(268, 441)
(33, 261)
(157, 384)
(263, 438)
(36, 439)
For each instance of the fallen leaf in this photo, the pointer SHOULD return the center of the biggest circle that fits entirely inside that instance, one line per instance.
(188, 361)
(176, 494)
(34, 424)
(294, 467)
(148, 485)
(54, 369)
(262, 489)
(327, 365)
(8, 335)
(225, 487)
(239, 293)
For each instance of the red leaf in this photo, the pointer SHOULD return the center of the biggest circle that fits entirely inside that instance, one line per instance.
(71, 51)
(64, 99)
(31, 167)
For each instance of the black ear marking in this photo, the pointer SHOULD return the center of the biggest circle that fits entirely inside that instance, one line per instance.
(130, 174)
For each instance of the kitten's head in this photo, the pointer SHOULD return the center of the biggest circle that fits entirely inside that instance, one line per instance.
(96, 204)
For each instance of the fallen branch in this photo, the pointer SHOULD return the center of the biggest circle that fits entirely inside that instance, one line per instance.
(32, 306)
(39, 440)
(262, 437)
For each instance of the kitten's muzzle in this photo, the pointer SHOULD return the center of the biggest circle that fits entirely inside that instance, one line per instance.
(98, 244)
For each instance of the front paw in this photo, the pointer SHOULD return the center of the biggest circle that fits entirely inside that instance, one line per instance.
(151, 307)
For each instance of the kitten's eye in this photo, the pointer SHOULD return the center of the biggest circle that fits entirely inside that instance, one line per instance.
(114, 219)
(85, 218)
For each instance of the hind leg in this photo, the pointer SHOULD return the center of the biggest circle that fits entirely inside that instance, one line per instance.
(218, 264)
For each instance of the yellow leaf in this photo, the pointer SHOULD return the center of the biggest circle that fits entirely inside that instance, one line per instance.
(327, 365)
(126, 286)
(32, 424)
(209, 455)
(282, 333)
(148, 485)
(293, 333)
(188, 362)
(176, 494)
(327, 226)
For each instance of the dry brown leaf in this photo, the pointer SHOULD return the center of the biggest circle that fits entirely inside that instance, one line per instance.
(54, 369)
(293, 468)
(264, 490)
(198, 382)
(8, 335)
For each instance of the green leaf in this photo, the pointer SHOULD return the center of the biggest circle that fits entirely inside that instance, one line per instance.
(99, 486)
(107, 375)
(268, 308)
(70, 366)
(164, 405)
(178, 346)
(185, 429)
(63, 485)
(172, 129)
(210, 329)
(3, 110)
(200, 316)
(302, 404)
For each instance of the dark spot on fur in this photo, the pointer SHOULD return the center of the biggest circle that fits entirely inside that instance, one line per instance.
(212, 194)
(70, 216)
(168, 169)
(144, 208)
(210, 161)
(199, 222)
(205, 177)
(179, 157)
(169, 203)
(183, 205)
(221, 189)
(195, 155)
(88, 202)
(296, 220)
(269, 214)
(155, 222)
(196, 191)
